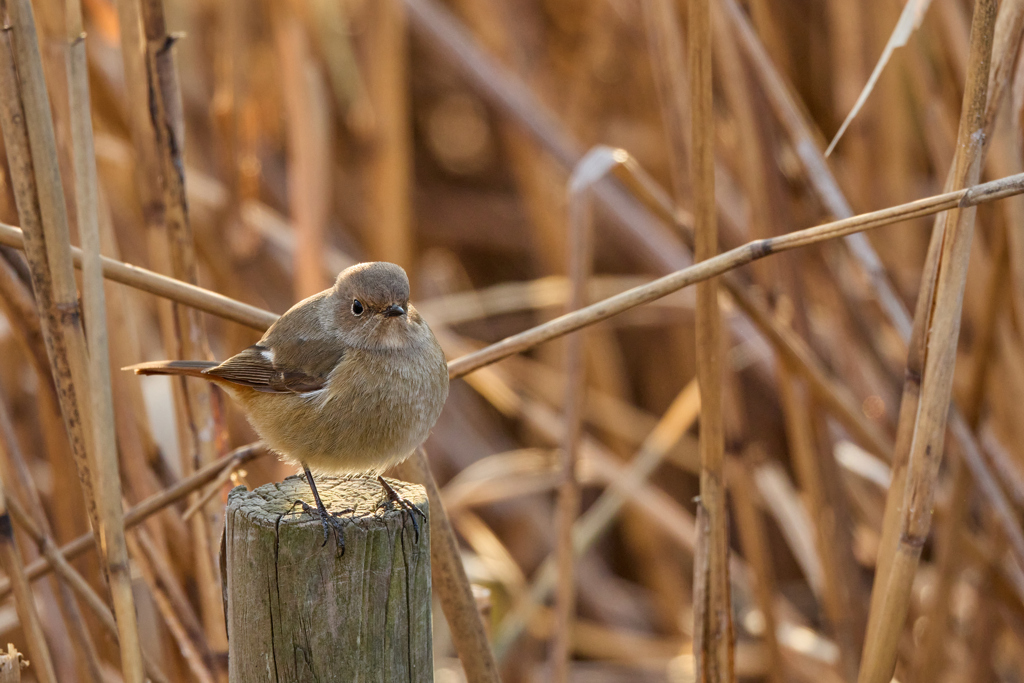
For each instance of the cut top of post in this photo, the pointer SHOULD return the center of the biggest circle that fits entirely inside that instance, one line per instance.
(299, 610)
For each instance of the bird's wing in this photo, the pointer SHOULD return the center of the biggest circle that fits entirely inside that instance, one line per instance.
(293, 368)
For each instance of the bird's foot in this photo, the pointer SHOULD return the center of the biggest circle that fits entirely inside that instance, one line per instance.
(392, 498)
(329, 521)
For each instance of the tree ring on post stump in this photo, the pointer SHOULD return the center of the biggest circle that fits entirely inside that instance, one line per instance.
(297, 610)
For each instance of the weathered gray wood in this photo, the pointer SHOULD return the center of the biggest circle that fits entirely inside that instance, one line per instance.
(11, 664)
(297, 611)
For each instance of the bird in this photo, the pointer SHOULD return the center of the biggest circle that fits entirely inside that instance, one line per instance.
(347, 381)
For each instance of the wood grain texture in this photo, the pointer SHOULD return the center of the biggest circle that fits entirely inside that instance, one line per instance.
(299, 612)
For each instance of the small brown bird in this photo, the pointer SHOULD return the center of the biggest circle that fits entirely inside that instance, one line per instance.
(350, 380)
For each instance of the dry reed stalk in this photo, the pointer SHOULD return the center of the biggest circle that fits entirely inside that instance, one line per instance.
(581, 248)
(448, 576)
(805, 143)
(158, 589)
(157, 126)
(159, 574)
(724, 262)
(49, 300)
(308, 120)
(679, 417)
(155, 503)
(714, 658)
(808, 150)
(101, 482)
(162, 286)
(388, 233)
(931, 659)
(20, 309)
(1012, 16)
(101, 406)
(909, 402)
(14, 469)
(69, 576)
(942, 322)
(848, 37)
(754, 543)
(1006, 43)
(754, 175)
(24, 601)
(665, 44)
(220, 305)
(836, 593)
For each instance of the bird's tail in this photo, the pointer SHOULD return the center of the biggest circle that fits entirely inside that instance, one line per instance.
(192, 368)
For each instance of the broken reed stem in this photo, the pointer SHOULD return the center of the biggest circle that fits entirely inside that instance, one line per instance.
(101, 401)
(155, 503)
(581, 235)
(24, 601)
(449, 579)
(714, 657)
(70, 577)
(941, 326)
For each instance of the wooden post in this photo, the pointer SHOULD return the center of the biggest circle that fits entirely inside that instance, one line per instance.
(297, 611)
(11, 664)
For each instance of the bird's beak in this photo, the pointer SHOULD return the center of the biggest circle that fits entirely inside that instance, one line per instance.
(394, 311)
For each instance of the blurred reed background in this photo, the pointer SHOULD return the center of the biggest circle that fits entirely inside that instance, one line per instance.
(257, 148)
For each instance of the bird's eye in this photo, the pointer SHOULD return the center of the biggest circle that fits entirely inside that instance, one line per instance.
(357, 307)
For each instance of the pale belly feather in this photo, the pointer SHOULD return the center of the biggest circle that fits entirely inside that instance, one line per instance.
(353, 426)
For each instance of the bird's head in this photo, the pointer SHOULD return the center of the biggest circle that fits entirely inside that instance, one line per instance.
(371, 305)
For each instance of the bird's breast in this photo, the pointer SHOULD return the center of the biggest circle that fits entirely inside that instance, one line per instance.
(374, 409)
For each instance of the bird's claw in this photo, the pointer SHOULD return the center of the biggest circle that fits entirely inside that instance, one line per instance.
(329, 521)
(392, 497)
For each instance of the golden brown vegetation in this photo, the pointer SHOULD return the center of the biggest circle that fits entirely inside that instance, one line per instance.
(809, 467)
